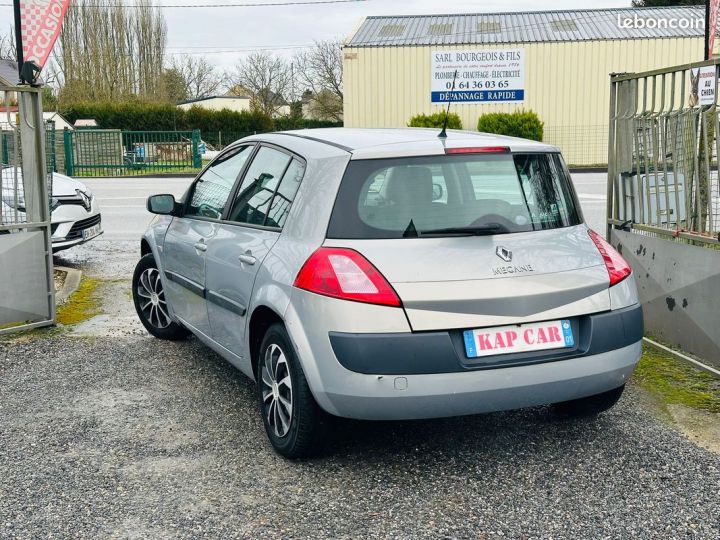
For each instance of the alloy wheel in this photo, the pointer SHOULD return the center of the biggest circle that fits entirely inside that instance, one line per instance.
(152, 299)
(277, 393)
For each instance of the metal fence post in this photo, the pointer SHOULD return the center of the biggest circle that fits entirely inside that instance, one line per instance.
(197, 159)
(50, 146)
(67, 144)
(612, 176)
(4, 150)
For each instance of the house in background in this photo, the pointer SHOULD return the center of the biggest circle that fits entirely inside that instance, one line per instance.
(8, 77)
(218, 103)
(87, 123)
(236, 103)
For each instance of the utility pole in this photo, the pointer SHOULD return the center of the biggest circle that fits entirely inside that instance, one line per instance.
(292, 80)
(706, 54)
(18, 39)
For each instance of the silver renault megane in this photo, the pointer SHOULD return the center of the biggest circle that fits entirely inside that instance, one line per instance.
(392, 274)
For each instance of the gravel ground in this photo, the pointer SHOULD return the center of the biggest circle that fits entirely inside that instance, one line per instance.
(116, 434)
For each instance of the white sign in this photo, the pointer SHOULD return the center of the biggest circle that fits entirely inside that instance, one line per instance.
(518, 338)
(703, 82)
(485, 76)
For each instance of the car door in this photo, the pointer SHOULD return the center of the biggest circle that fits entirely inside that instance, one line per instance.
(250, 229)
(187, 238)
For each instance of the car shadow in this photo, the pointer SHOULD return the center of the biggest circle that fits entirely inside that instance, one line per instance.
(489, 433)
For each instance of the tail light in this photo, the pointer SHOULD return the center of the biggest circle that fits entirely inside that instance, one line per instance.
(344, 273)
(617, 267)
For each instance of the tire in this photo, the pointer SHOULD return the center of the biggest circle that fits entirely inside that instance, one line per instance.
(293, 421)
(589, 406)
(150, 303)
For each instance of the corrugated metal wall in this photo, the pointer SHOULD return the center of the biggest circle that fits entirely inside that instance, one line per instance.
(566, 83)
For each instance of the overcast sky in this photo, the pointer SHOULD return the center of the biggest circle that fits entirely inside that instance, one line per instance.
(211, 31)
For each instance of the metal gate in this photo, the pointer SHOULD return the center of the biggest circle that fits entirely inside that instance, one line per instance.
(663, 204)
(27, 292)
(9, 137)
(112, 152)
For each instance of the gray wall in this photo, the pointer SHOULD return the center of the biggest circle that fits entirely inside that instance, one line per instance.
(679, 287)
(23, 278)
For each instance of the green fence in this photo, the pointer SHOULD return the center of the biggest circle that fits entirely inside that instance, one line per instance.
(218, 140)
(112, 152)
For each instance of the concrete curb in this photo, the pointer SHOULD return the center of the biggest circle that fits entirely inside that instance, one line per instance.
(72, 282)
(141, 176)
(588, 169)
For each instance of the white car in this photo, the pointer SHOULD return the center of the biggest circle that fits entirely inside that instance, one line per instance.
(75, 216)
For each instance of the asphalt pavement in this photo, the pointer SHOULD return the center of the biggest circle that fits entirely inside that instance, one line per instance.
(106, 432)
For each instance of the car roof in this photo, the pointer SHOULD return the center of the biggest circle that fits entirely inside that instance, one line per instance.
(369, 143)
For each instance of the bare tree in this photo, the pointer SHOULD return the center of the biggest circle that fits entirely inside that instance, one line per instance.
(7, 45)
(267, 78)
(319, 70)
(108, 50)
(200, 77)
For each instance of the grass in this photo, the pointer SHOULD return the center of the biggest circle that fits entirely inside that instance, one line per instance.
(677, 383)
(150, 169)
(13, 324)
(82, 304)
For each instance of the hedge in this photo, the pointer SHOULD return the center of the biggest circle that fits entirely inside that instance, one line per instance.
(133, 116)
(523, 124)
(435, 120)
(138, 116)
(288, 122)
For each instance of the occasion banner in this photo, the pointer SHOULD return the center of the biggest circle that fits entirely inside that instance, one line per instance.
(714, 6)
(40, 24)
(481, 76)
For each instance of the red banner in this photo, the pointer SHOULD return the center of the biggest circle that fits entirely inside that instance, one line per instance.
(40, 24)
(714, 5)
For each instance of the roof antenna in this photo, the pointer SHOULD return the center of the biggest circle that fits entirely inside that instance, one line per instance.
(443, 133)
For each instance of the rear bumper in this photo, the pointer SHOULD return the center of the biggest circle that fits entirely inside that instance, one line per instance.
(458, 390)
(374, 397)
(444, 352)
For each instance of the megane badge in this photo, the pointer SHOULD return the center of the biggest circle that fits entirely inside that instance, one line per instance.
(504, 253)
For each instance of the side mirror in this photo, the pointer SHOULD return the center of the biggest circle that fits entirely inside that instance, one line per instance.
(161, 204)
(438, 192)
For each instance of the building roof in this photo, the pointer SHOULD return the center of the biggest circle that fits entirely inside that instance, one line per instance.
(529, 27)
(8, 72)
(86, 122)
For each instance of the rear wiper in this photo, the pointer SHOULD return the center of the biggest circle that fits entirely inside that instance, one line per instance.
(484, 230)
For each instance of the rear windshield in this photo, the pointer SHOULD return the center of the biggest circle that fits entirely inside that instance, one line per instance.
(454, 194)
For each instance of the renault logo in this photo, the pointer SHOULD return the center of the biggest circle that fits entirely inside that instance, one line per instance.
(87, 203)
(504, 253)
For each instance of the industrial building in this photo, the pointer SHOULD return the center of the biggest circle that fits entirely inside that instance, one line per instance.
(556, 63)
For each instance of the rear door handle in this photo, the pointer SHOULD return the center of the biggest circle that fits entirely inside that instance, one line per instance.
(201, 246)
(247, 258)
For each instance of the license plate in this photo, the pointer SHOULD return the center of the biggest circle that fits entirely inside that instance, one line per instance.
(518, 338)
(91, 231)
